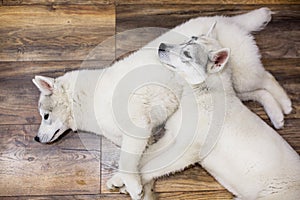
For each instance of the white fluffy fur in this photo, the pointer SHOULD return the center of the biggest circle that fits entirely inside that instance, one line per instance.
(81, 100)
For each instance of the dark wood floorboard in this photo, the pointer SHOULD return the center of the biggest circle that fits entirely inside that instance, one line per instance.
(214, 2)
(56, 2)
(55, 32)
(51, 37)
(30, 168)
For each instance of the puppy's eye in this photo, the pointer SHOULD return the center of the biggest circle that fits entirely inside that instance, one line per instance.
(46, 116)
(187, 54)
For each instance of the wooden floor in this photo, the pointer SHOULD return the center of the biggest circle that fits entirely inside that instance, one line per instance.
(50, 37)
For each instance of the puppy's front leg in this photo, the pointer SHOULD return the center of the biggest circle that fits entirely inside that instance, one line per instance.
(128, 175)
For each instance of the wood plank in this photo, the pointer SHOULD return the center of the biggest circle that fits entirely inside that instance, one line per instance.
(71, 197)
(56, 2)
(124, 2)
(18, 101)
(47, 68)
(285, 70)
(201, 195)
(170, 15)
(31, 168)
(55, 32)
(286, 44)
(192, 179)
(217, 2)
(284, 25)
(165, 196)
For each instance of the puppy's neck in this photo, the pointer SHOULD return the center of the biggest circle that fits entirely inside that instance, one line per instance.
(215, 83)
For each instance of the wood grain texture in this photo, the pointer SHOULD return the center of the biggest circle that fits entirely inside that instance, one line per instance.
(217, 195)
(195, 178)
(214, 2)
(202, 195)
(29, 69)
(54, 32)
(18, 101)
(30, 168)
(170, 15)
(72, 197)
(56, 2)
(286, 44)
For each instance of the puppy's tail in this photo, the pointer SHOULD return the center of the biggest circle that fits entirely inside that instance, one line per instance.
(255, 20)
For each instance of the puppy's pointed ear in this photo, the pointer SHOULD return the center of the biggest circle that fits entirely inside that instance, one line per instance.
(212, 31)
(218, 60)
(44, 84)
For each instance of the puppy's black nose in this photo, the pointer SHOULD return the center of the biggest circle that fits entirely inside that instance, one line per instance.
(162, 47)
(37, 139)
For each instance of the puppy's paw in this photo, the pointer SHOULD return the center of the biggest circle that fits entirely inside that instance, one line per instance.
(279, 125)
(126, 184)
(136, 192)
(278, 120)
(287, 106)
(133, 186)
(265, 15)
(259, 19)
(123, 190)
(115, 182)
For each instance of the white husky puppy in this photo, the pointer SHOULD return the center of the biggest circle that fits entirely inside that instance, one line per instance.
(250, 159)
(84, 99)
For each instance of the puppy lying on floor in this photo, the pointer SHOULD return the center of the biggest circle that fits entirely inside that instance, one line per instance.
(68, 102)
(249, 158)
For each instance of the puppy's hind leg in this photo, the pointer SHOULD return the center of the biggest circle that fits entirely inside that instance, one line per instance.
(272, 86)
(255, 20)
(270, 105)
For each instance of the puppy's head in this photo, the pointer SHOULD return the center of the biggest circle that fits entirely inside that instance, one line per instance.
(196, 58)
(54, 108)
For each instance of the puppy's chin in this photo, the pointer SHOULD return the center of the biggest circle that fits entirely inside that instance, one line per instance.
(170, 67)
(166, 64)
